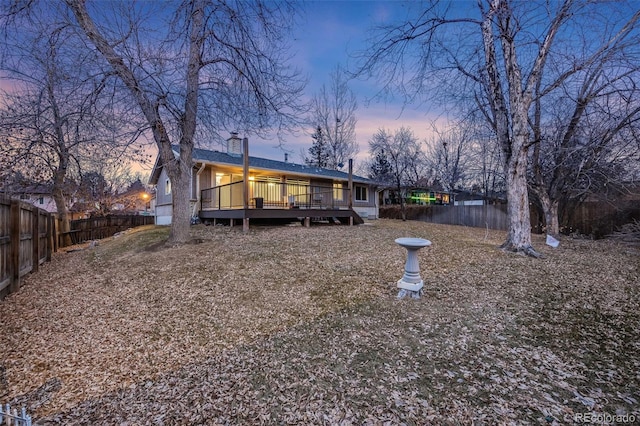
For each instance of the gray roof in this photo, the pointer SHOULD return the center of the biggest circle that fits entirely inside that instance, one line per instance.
(208, 156)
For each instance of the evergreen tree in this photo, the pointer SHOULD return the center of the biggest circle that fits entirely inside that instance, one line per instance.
(380, 168)
(319, 150)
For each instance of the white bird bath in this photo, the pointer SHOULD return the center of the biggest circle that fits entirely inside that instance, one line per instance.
(411, 283)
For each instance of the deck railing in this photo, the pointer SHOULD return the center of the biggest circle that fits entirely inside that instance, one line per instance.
(13, 417)
(277, 195)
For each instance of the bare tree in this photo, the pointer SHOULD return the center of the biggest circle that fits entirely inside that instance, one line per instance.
(448, 155)
(480, 163)
(402, 154)
(486, 165)
(221, 63)
(333, 112)
(505, 54)
(57, 113)
(587, 132)
(111, 189)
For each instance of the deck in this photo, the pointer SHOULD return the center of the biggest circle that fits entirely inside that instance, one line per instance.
(269, 200)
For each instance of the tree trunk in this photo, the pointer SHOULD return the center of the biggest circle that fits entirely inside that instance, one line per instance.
(403, 207)
(61, 206)
(550, 210)
(519, 236)
(58, 197)
(178, 169)
(181, 209)
(181, 220)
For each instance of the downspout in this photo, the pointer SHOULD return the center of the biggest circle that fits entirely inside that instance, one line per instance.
(245, 184)
(377, 201)
(195, 205)
(350, 187)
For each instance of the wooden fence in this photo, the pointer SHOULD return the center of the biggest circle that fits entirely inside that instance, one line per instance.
(26, 242)
(491, 216)
(29, 236)
(599, 219)
(104, 227)
(591, 218)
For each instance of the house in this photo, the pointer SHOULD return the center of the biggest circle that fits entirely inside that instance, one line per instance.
(134, 200)
(426, 196)
(274, 189)
(476, 198)
(40, 195)
(416, 195)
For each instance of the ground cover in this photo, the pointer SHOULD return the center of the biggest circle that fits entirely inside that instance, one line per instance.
(289, 325)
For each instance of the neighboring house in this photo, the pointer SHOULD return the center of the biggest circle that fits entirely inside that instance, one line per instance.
(39, 195)
(474, 198)
(428, 196)
(134, 200)
(416, 195)
(275, 189)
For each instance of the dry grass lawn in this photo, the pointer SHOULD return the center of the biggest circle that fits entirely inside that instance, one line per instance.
(289, 325)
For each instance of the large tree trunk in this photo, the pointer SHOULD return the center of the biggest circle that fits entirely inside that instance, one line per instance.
(519, 235)
(550, 210)
(178, 169)
(403, 206)
(514, 144)
(181, 220)
(61, 206)
(180, 175)
(59, 177)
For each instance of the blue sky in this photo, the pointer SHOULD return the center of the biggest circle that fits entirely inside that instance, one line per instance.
(330, 32)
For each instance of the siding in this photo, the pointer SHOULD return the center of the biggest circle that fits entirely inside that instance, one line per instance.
(161, 197)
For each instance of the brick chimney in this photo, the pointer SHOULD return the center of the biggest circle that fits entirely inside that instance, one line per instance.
(234, 145)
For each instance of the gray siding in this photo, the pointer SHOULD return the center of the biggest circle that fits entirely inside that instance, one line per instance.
(162, 198)
(205, 179)
(371, 194)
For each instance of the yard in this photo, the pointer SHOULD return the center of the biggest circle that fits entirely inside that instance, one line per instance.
(293, 325)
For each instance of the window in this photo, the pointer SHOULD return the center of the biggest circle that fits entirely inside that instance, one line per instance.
(41, 200)
(361, 193)
(167, 187)
(298, 188)
(338, 191)
(268, 188)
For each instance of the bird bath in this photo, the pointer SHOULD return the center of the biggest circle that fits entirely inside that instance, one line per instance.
(411, 283)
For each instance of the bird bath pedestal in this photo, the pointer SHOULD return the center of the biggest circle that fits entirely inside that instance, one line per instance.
(411, 283)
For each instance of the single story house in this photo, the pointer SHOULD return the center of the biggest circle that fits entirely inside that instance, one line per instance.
(224, 186)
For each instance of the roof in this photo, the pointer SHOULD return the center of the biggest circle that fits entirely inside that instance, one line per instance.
(28, 188)
(217, 157)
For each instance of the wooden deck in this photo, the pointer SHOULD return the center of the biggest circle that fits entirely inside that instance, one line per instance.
(272, 200)
(287, 213)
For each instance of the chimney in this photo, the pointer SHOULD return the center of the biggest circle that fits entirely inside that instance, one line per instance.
(234, 145)
(286, 157)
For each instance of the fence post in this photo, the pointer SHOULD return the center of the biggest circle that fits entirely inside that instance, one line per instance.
(35, 239)
(54, 232)
(50, 235)
(14, 235)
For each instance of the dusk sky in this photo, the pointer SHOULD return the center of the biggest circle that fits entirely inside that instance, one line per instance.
(329, 34)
